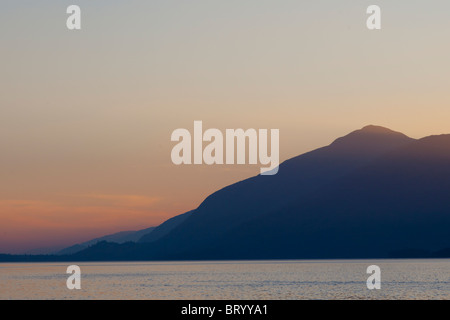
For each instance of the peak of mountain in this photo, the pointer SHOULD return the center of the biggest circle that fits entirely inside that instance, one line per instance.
(378, 130)
(371, 139)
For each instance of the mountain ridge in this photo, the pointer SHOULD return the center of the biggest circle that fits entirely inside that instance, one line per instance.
(374, 193)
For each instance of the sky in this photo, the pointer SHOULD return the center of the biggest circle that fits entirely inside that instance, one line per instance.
(86, 116)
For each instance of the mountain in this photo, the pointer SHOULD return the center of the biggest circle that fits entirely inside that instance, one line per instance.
(226, 210)
(398, 201)
(374, 193)
(371, 193)
(119, 237)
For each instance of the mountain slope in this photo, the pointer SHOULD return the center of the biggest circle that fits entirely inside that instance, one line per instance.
(400, 201)
(164, 228)
(297, 179)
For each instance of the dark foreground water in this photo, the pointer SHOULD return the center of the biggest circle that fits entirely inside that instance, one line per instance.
(299, 279)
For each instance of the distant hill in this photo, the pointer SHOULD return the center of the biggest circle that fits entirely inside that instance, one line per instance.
(145, 236)
(374, 193)
(119, 237)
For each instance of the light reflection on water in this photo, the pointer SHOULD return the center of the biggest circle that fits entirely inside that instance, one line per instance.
(325, 279)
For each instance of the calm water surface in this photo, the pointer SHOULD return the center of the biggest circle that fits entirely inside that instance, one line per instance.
(400, 279)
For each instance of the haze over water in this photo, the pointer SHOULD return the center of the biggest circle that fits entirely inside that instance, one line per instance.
(279, 280)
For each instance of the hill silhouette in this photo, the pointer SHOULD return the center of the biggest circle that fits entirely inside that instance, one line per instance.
(119, 237)
(374, 193)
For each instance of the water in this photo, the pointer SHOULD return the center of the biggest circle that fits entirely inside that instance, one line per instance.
(279, 280)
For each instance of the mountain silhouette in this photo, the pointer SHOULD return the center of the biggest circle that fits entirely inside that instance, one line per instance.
(374, 193)
(145, 235)
(119, 237)
(399, 201)
(224, 212)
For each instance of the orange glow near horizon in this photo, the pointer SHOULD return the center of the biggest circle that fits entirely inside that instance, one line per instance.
(39, 224)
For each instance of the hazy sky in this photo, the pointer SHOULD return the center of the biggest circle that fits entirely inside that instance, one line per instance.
(86, 116)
